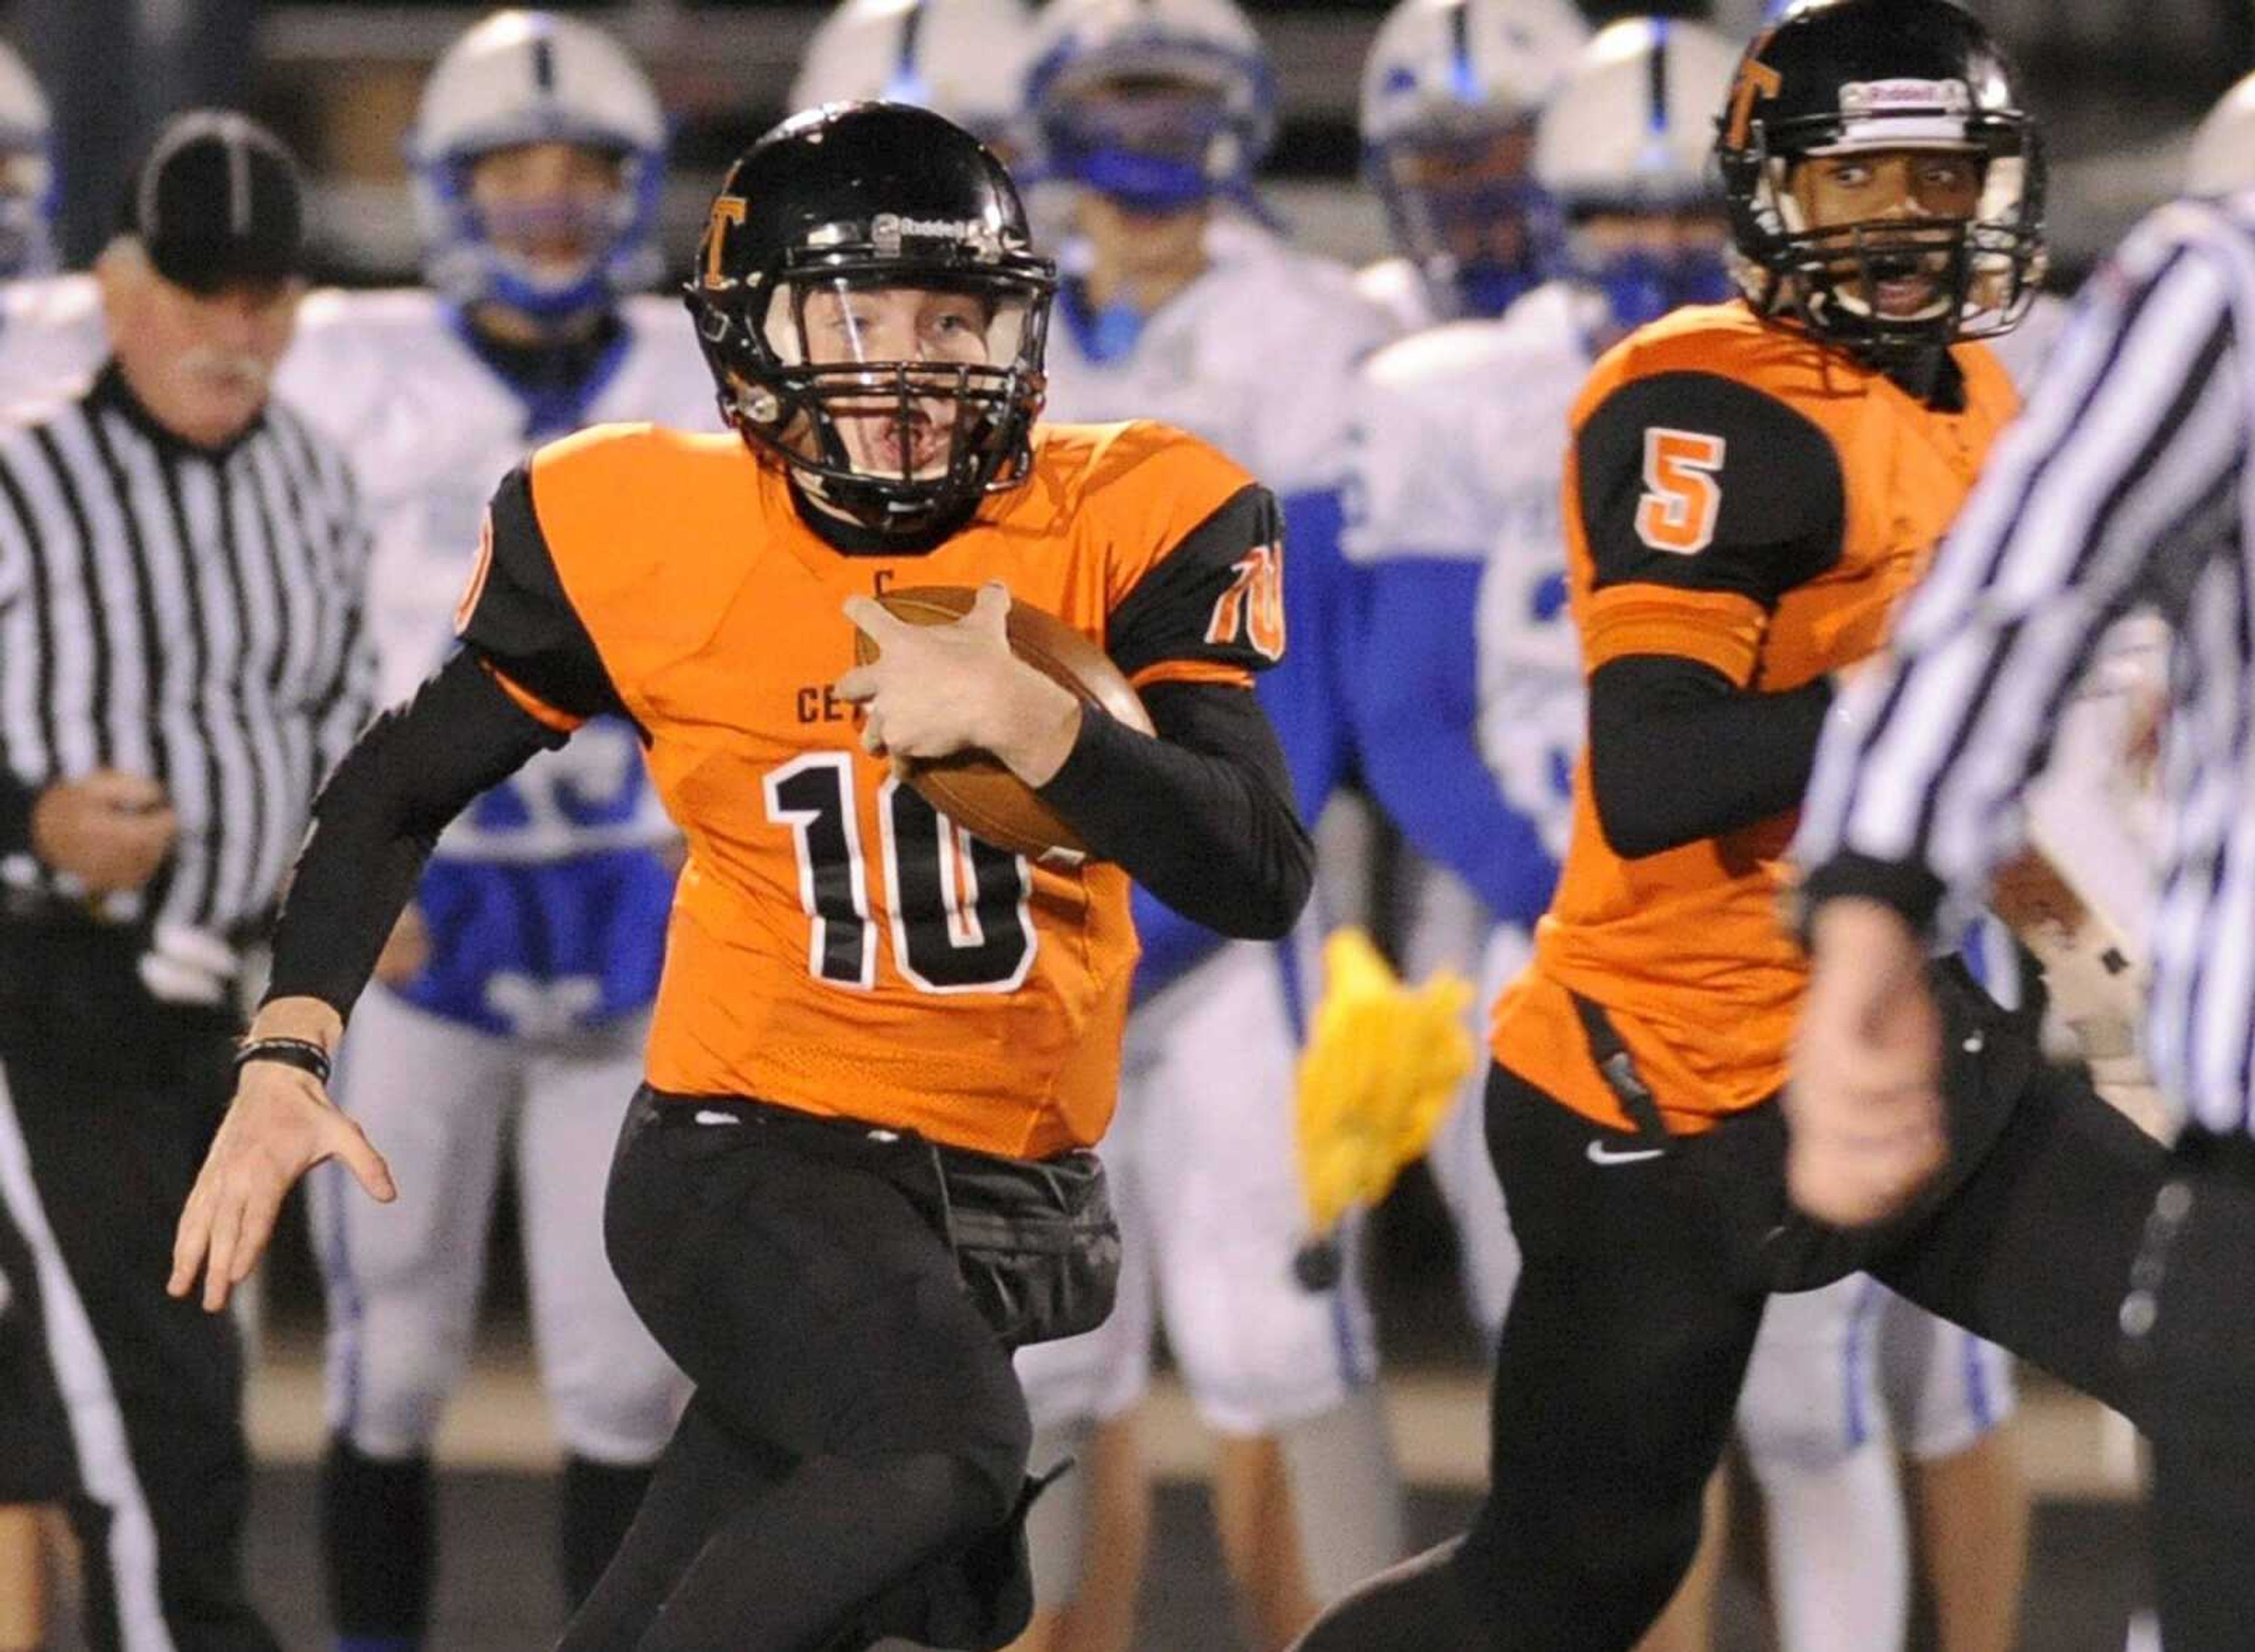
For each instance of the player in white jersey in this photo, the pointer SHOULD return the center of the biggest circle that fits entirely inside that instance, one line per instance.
(1469, 738)
(1148, 118)
(51, 327)
(27, 172)
(1451, 90)
(539, 150)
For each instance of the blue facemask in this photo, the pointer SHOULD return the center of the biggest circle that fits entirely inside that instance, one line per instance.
(1431, 219)
(1154, 152)
(469, 266)
(1641, 286)
(1140, 182)
(1487, 289)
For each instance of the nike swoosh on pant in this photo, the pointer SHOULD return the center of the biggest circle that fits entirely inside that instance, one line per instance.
(1600, 1154)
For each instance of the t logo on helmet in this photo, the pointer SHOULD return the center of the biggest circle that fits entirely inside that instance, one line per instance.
(727, 210)
(1756, 80)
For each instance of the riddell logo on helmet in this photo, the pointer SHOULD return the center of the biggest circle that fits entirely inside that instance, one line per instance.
(890, 229)
(1885, 97)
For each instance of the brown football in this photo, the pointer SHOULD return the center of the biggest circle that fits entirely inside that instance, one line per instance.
(971, 788)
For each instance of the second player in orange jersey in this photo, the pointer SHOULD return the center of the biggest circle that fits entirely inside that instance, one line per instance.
(856, 1175)
(1751, 491)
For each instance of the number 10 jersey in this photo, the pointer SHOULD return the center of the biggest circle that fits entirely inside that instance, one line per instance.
(836, 945)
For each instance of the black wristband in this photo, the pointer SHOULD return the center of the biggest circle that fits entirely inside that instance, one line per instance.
(301, 1053)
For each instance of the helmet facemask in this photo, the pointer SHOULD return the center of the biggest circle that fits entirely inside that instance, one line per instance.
(1159, 124)
(490, 256)
(1649, 256)
(1857, 282)
(900, 391)
(1465, 209)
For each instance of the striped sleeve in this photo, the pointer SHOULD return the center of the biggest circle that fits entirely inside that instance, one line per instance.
(2114, 472)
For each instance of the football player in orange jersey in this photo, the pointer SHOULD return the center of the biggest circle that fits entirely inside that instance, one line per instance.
(856, 1174)
(1751, 489)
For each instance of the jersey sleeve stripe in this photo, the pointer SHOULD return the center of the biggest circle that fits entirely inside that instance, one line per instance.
(1719, 630)
(1192, 670)
(530, 704)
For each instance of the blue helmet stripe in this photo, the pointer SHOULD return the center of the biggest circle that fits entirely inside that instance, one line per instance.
(911, 32)
(1462, 81)
(907, 84)
(544, 56)
(1656, 68)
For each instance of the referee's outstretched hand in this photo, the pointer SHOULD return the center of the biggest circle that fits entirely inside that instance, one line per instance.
(280, 1125)
(1863, 1101)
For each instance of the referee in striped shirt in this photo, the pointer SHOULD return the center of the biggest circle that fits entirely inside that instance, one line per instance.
(2126, 483)
(182, 661)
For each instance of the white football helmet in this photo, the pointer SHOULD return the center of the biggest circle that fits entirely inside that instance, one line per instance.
(1161, 104)
(1634, 126)
(27, 172)
(2222, 159)
(1464, 67)
(1450, 93)
(1630, 135)
(963, 59)
(530, 77)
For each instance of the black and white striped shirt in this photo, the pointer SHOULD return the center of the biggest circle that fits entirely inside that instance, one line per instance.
(189, 615)
(2125, 483)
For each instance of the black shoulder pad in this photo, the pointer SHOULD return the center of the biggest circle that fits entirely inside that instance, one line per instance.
(1697, 482)
(516, 614)
(1217, 596)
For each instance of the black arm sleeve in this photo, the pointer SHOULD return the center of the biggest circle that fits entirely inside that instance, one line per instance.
(418, 766)
(1202, 817)
(518, 615)
(1678, 753)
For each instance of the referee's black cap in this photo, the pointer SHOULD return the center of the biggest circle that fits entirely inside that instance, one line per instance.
(217, 200)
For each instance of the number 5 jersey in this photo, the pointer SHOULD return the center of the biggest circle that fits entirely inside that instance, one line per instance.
(1740, 496)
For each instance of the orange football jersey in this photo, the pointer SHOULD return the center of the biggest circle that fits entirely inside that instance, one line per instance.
(836, 945)
(1739, 496)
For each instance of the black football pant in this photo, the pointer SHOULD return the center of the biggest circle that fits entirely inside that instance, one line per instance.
(107, 1101)
(1646, 1264)
(856, 1422)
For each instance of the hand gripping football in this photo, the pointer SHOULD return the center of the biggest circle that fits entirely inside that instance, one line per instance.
(973, 789)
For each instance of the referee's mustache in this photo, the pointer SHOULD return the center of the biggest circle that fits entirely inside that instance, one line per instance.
(241, 369)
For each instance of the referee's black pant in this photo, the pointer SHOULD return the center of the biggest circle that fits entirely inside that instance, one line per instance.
(1648, 1261)
(107, 1101)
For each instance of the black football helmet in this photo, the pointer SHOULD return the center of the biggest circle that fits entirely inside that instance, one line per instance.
(832, 209)
(1836, 77)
